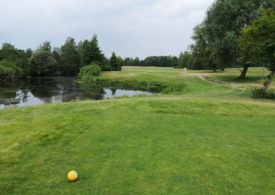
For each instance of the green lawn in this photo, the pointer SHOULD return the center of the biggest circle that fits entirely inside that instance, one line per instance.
(209, 138)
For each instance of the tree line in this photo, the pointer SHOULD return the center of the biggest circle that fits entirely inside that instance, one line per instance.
(160, 61)
(233, 34)
(47, 61)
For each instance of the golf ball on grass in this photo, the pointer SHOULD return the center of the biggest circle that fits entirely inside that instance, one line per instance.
(72, 175)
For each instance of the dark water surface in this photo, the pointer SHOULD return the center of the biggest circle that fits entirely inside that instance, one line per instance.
(55, 89)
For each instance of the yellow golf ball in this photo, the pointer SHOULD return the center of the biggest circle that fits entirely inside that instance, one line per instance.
(72, 175)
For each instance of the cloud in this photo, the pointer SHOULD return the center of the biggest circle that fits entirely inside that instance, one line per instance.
(128, 27)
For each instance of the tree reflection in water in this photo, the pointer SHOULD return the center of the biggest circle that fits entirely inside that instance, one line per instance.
(54, 89)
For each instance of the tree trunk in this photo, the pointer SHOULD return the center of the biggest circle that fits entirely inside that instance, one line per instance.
(268, 81)
(243, 74)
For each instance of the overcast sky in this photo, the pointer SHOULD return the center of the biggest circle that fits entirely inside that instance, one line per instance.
(128, 27)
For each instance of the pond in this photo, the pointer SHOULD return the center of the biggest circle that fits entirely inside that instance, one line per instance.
(55, 89)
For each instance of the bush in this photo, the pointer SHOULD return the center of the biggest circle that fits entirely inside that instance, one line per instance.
(89, 71)
(262, 94)
(9, 71)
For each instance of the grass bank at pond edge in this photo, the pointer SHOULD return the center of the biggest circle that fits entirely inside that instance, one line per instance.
(153, 86)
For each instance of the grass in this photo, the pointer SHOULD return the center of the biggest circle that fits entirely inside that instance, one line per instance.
(209, 138)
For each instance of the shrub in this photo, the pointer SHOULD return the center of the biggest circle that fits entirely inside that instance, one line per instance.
(9, 71)
(262, 94)
(89, 71)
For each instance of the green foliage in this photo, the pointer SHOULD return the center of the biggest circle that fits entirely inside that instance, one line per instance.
(132, 61)
(9, 71)
(115, 62)
(17, 57)
(89, 71)
(257, 41)
(263, 94)
(69, 58)
(46, 46)
(90, 52)
(162, 61)
(56, 54)
(66, 60)
(43, 64)
(200, 50)
(152, 86)
(185, 60)
(158, 61)
(14, 62)
(216, 39)
(223, 24)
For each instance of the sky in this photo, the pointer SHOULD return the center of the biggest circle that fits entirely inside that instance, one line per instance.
(130, 28)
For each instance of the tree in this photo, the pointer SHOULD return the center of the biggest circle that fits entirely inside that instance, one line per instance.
(29, 52)
(218, 34)
(56, 54)
(128, 61)
(185, 60)
(114, 62)
(95, 52)
(42, 61)
(136, 61)
(90, 52)
(9, 70)
(84, 52)
(202, 58)
(69, 58)
(17, 57)
(257, 43)
(120, 61)
(46, 46)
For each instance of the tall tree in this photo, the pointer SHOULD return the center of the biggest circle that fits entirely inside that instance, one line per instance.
(84, 52)
(46, 46)
(185, 60)
(42, 62)
(90, 52)
(69, 58)
(257, 43)
(221, 30)
(95, 52)
(202, 58)
(114, 62)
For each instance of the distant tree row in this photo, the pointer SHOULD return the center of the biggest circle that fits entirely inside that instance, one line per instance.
(47, 61)
(219, 39)
(161, 61)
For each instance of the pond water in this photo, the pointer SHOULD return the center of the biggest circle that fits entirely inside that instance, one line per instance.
(55, 89)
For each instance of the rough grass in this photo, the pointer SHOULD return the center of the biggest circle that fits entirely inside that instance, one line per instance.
(210, 138)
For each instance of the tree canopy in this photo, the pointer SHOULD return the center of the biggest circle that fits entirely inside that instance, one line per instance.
(216, 38)
(161, 61)
(90, 52)
(48, 61)
(69, 58)
(257, 42)
(42, 63)
(115, 62)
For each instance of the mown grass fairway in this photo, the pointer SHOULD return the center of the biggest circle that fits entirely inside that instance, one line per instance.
(209, 138)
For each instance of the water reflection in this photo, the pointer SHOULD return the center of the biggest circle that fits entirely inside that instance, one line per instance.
(54, 89)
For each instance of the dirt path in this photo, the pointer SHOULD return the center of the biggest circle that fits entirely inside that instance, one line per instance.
(233, 85)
